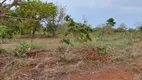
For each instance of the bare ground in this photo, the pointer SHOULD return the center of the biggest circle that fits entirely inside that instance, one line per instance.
(83, 64)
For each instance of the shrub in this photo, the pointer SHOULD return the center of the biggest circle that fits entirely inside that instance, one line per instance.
(2, 51)
(21, 49)
(140, 28)
(122, 28)
(5, 32)
(132, 30)
(102, 50)
(80, 32)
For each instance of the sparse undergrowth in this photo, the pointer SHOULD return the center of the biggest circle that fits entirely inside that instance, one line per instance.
(57, 62)
(45, 63)
(29, 52)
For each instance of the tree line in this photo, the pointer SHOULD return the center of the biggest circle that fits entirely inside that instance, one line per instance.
(31, 17)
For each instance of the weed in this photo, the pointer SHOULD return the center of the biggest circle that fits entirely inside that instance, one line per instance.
(102, 50)
(21, 49)
(65, 54)
(3, 51)
(67, 57)
(16, 36)
(80, 31)
(122, 46)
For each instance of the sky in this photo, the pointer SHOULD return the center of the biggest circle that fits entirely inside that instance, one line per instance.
(98, 11)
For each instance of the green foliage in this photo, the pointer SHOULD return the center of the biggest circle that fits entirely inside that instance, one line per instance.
(140, 28)
(111, 22)
(3, 51)
(67, 41)
(102, 50)
(132, 30)
(21, 49)
(51, 28)
(32, 13)
(36, 8)
(55, 22)
(81, 32)
(16, 36)
(27, 15)
(67, 57)
(4, 31)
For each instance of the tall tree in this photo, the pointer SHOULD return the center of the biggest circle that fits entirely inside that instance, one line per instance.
(55, 21)
(27, 13)
(111, 22)
(33, 12)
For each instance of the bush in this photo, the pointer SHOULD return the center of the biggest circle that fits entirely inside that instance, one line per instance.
(21, 49)
(80, 32)
(102, 50)
(131, 30)
(2, 51)
(140, 28)
(5, 32)
(121, 28)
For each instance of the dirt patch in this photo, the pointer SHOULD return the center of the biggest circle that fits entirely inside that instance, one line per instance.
(111, 74)
(82, 53)
(85, 64)
(11, 45)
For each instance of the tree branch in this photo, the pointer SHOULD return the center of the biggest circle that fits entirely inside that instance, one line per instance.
(17, 18)
(2, 2)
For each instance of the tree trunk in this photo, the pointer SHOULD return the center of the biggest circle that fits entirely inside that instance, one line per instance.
(53, 27)
(34, 30)
(33, 35)
(53, 33)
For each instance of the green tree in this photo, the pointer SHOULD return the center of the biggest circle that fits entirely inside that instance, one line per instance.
(6, 11)
(80, 32)
(55, 21)
(4, 33)
(33, 12)
(27, 14)
(132, 30)
(139, 26)
(111, 22)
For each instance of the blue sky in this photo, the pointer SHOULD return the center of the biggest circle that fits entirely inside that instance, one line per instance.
(98, 11)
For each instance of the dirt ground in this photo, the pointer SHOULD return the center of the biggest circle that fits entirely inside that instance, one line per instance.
(85, 64)
(111, 74)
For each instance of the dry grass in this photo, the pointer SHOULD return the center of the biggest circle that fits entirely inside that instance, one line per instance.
(44, 65)
(123, 51)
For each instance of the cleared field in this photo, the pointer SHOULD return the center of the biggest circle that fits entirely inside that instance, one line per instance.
(123, 59)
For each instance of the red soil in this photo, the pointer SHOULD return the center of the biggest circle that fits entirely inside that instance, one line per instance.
(110, 74)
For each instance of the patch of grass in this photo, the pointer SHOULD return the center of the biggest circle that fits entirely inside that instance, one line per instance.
(14, 65)
(102, 50)
(3, 51)
(21, 49)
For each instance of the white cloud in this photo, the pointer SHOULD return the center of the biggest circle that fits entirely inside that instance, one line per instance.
(87, 3)
(84, 3)
(131, 9)
(122, 5)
